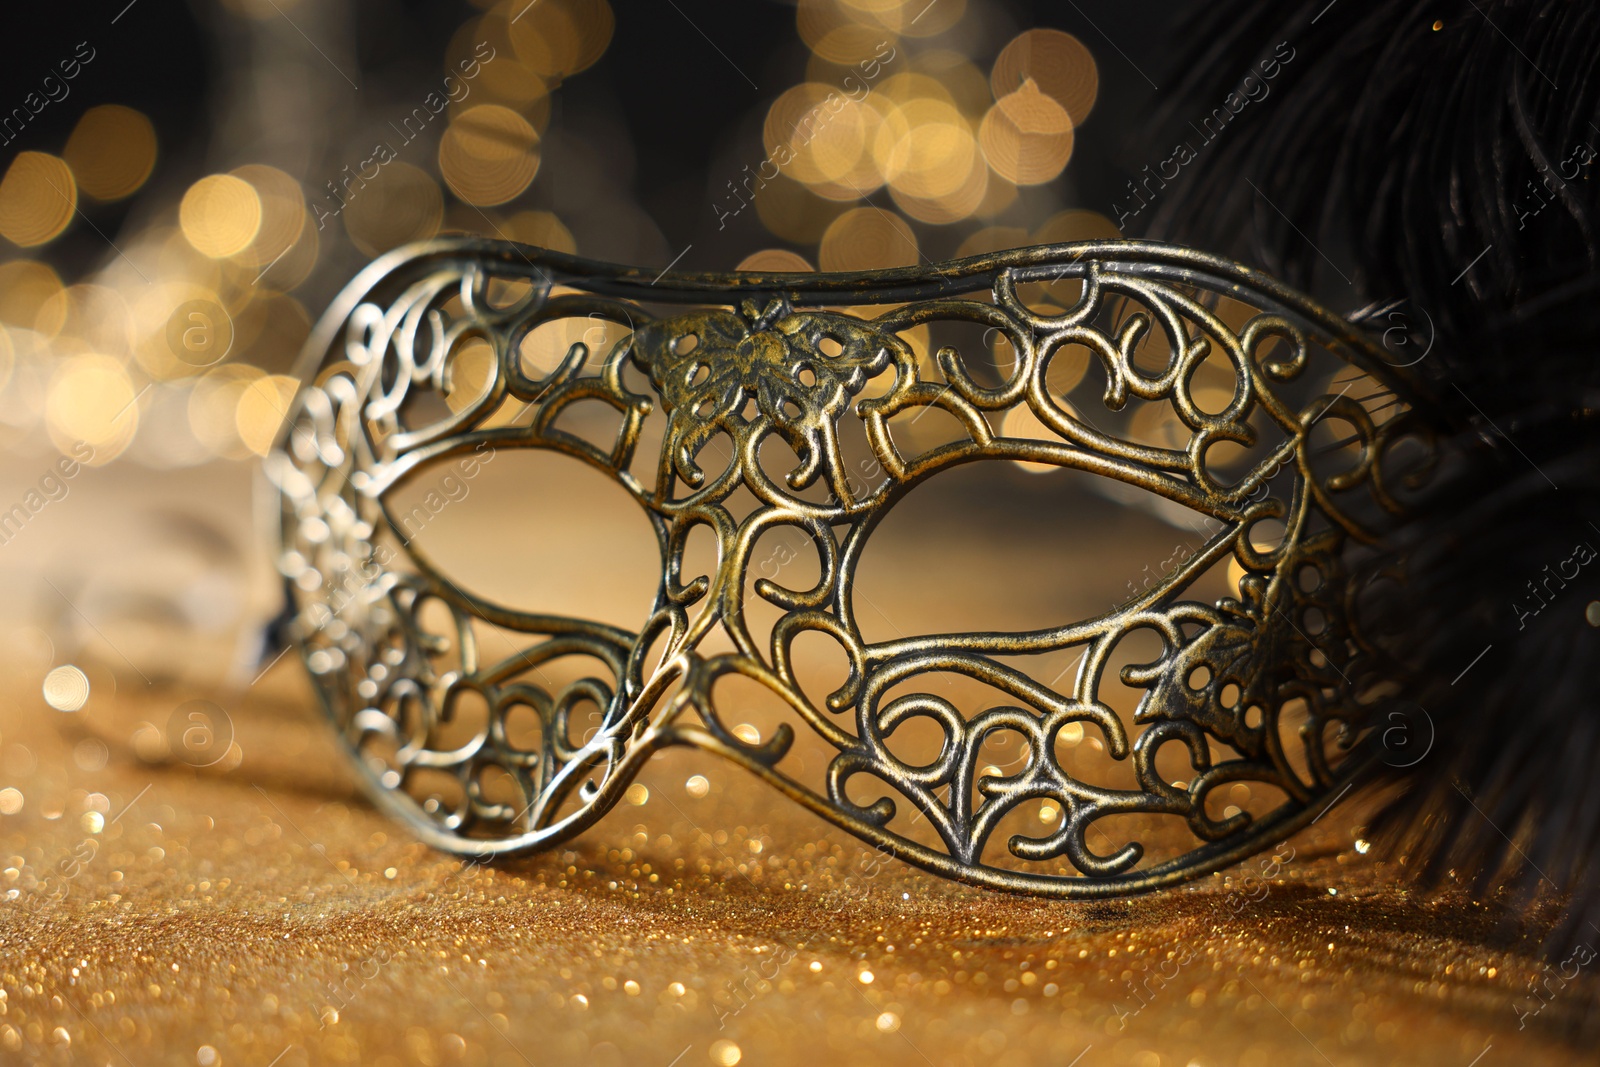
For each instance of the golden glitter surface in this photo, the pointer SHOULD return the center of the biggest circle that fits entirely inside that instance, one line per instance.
(267, 915)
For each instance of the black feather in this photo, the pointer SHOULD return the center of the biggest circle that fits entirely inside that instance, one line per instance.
(1441, 158)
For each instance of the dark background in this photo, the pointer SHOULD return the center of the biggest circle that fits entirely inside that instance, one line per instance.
(682, 105)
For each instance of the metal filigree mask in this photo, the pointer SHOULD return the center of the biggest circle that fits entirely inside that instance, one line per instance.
(786, 401)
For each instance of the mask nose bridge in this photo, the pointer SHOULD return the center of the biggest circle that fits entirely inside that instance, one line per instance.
(675, 680)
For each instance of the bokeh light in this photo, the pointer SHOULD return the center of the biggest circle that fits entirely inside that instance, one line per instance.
(112, 151)
(283, 213)
(38, 197)
(25, 287)
(559, 38)
(489, 155)
(1027, 136)
(868, 238)
(66, 688)
(1056, 62)
(840, 33)
(92, 400)
(220, 215)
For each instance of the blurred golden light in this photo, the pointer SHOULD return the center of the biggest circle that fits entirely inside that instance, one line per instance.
(514, 85)
(499, 79)
(26, 286)
(66, 688)
(489, 155)
(37, 198)
(95, 316)
(112, 151)
(850, 44)
(214, 407)
(1076, 225)
(92, 400)
(958, 204)
(908, 86)
(863, 75)
(788, 113)
(776, 260)
(401, 204)
(283, 213)
(220, 215)
(868, 238)
(543, 38)
(1027, 136)
(935, 153)
(839, 148)
(914, 18)
(822, 138)
(540, 228)
(1057, 62)
(841, 35)
(558, 38)
(263, 404)
(965, 85)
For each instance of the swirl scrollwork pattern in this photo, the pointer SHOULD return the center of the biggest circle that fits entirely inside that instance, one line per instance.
(421, 361)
